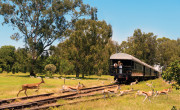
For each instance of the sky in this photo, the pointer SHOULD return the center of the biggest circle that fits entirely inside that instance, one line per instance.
(162, 17)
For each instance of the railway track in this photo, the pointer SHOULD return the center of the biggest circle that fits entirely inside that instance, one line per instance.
(58, 105)
(49, 99)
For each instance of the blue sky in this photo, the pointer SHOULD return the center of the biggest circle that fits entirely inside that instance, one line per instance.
(162, 17)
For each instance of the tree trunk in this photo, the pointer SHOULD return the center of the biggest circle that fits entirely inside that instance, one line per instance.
(32, 73)
(77, 75)
(77, 72)
(83, 75)
(32, 68)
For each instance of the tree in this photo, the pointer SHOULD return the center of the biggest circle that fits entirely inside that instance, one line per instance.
(85, 46)
(22, 59)
(8, 68)
(141, 45)
(2, 64)
(41, 22)
(172, 73)
(110, 48)
(7, 57)
(167, 51)
(65, 66)
(13, 70)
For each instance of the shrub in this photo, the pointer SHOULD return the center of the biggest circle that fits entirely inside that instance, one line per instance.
(172, 73)
(48, 74)
(50, 68)
(174, 108)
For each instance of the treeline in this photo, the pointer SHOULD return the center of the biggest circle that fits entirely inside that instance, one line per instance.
(85, 42)
(150, 49)
(87, 51)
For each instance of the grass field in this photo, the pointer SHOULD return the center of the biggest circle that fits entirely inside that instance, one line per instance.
(129, 102)
(10, 85)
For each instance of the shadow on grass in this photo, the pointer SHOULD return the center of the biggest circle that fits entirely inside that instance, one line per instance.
(25, 76)
(60, 77)
(86, 78)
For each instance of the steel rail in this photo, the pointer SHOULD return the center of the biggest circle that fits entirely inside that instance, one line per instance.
(52, 99)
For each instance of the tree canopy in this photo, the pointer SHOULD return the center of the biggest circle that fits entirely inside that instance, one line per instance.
(41, 22)
(86, 45)
(7, 57)
(141, 45)
(167, 51)
(86, 51)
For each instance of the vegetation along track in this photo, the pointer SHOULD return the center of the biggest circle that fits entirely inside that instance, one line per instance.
(47, 99)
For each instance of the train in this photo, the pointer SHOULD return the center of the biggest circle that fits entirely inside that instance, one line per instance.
(127, 68)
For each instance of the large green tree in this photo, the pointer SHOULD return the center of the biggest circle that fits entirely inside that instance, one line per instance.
(22, 60)
(167, 51)
(41, 22)
(85, 46)
(7, 57)
(141, 45)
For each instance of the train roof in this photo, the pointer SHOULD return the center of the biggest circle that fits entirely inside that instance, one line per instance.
(124, 56)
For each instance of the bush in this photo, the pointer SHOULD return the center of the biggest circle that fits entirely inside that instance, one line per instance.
(48, 74)
(50, 68)
(174, 108)
(0, 70)
(172, 73)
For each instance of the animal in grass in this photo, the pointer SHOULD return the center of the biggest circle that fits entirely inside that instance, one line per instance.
(31, 86)
(109, 91)
(150, 85)
(146, 94)
(125, 92)
(79, 87)
(165, 92)
(72, 89)
(116, 81)
(161, 92)
(67, 88)
(133, 83)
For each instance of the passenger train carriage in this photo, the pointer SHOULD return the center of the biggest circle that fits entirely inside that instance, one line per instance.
(125, 67)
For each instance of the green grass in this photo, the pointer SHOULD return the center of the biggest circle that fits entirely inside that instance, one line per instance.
(10, 85)
(129, 102)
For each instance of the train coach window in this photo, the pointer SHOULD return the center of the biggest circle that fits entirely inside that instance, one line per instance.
(123, 62)
(147, 70)
(126, 62)
(138, 66)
